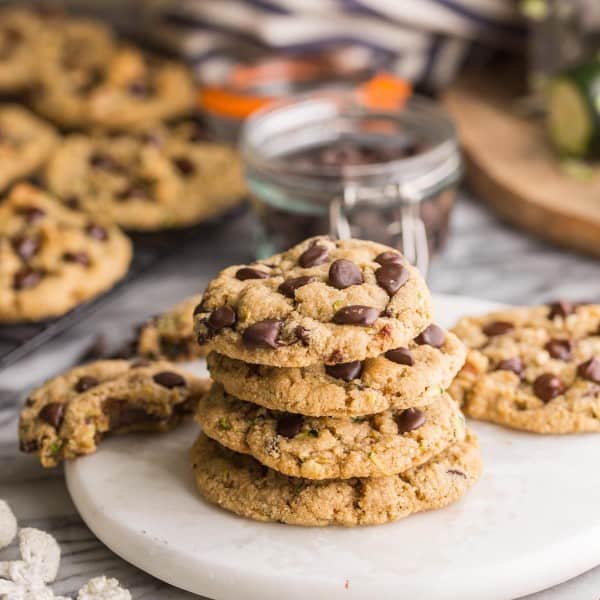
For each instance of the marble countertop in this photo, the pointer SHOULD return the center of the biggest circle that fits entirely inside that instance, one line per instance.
(484, 258)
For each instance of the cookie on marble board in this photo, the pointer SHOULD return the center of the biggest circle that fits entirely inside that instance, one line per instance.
(69, 415)
(400, 378)
(533, 368)
(242, 485)
(53, 258)
(322, 301)
(332, 447)
(148, 181)
(123, 89)
(26, 142)
(170, 335)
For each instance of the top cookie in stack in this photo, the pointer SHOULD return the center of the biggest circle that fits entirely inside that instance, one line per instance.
(330, 379)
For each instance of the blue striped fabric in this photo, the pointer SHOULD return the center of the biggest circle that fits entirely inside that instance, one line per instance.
(426, 41)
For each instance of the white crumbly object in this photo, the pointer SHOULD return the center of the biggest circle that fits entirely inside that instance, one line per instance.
(8, 525)
(41, 550)
(102, 588)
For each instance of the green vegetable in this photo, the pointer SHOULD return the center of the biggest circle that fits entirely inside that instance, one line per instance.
(573, 111)
(312, 433)
(224, 424)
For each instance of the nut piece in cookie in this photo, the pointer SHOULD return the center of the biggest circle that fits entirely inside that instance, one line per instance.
(322, 301)
(533, 368)
(71, 413)
(53, 258)
(170, 336)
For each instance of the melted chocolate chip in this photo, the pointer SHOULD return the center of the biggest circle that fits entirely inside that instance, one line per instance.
(497, 328)
(548, 386)
(590, 370)
(346, 371)
(184, 165)
(561, 308)
(264, 334)
(315, 255)
(514, 364)
(432, 336)
(289, 286)
(224, 316)
(32, 214)
(72, 202)
(249, 273)
(409, 420)
(289, 425)
(344, 273)
(356, 315)
(560, 349)
(79, 257)
(121, 415)
(85, 383)
(169, 379)
(302, 335)
(97, 232)
(26, 278)
(389, 257)
(53, 414)
(391, 277)
(402, 356)
(26, 247)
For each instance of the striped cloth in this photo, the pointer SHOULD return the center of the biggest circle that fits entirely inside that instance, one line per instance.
(426, 41)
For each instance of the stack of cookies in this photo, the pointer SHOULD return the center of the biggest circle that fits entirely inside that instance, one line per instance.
(329, 403)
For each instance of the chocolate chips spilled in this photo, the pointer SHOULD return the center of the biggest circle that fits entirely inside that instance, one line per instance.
(346, 371)
(548, 386)
(356, 315)
(344, 273)
(264, 334)
(401, 356)
(409, 420)
(289, 425)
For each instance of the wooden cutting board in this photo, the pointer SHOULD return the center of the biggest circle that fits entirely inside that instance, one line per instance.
(512, 167)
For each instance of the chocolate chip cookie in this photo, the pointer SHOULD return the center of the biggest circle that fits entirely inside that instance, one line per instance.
(25, 143)
(536, 369)
(71, 413)
(53, 258)
(117, 88)
(242, 485)
(322, 301)
(400, 378)
(149, 181)
(332, 447)
(170, 336)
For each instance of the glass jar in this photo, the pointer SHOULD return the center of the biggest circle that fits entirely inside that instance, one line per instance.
(330, 162)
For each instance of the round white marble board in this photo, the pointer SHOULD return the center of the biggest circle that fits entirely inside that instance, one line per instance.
(532, 521)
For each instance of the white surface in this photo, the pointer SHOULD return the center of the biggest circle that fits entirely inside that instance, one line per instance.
(529, 523)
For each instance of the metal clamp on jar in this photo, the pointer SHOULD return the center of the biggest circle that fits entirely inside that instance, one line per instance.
(343, 163)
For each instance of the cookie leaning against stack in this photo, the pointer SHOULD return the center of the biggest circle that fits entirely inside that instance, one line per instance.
(329, 403)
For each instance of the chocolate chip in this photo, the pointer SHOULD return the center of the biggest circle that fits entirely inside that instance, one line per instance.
(72, 202)
(289, 425)
(432, 336)
(224, 316)
(134, 191)
(32, 214)
(97, 232)
(456, 472)
(79, 257)
(389, 257)
(249, 273)
(28, 446)
(346, 371)
(26, 278)
(315, 255)
(289, 286)
(121, 415)
(391, 277)
(402, 356)
(302, 335)
(561, 308)
(514, 364)
(169, 380)
(26, 247)
(560, 349)
(497, 328)
(85, 383)
(344, 273)
(184, 165)
(548, 386)
(105, 162)
(356, 315)
(264, 334)
(140, 363)
(409, 420)
(199, 309)
(138, 88)
(53, 414)
(590, 370)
